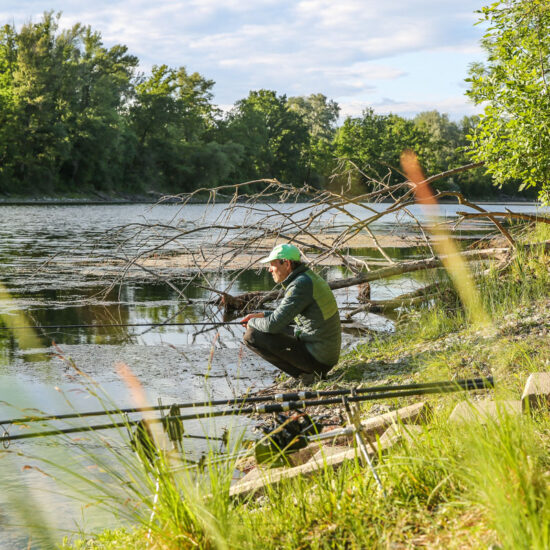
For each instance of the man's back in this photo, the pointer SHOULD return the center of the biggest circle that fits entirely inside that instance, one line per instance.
(309, 301)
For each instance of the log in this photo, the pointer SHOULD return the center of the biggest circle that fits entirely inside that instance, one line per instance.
(411, 298)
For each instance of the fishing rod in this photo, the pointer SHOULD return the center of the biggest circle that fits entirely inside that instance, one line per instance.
(106, 325)
(466, 384)
(103, 325)
(265, 408)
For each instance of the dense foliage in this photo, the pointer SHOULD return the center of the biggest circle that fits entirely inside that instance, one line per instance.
(78, 117)
(513, 137)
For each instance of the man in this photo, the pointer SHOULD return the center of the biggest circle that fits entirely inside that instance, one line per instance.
(314, 348)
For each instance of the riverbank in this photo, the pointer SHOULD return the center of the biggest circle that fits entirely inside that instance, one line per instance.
(155, 197)
(445, 487)
(82, 199)
(452, 485)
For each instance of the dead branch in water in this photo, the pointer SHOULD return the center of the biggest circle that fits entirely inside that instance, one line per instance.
(214, 243)
(251, 300)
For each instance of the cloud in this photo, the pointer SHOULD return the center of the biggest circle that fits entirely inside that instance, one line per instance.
(362, 71)
(344, 49)
(456, 107)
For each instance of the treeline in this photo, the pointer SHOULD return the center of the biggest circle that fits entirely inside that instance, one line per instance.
(76, 116)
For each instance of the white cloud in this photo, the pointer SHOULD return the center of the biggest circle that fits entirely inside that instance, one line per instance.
(456, 107)
(362, 70)
(345, 49)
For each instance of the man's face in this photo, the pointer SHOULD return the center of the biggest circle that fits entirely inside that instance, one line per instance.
(280, 270)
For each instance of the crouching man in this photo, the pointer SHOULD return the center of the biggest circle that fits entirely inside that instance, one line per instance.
(313, 347)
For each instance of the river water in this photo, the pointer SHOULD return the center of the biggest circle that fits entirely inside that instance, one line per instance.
(49, 255)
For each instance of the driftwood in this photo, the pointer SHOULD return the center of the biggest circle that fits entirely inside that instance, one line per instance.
(503, 255)
(411, 298)
(507, 214)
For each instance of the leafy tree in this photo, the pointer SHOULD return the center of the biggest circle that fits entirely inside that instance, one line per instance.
(36, 87)
(321, 116)
(442, 139)
(8, 54)
(274, 138)
(101, 83)
(66, 92)
(442, 148)
(375, 142)
(172, 120)
(319, 113)
(513, 135)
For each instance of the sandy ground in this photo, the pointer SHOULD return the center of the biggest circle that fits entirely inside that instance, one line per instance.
(231, 257)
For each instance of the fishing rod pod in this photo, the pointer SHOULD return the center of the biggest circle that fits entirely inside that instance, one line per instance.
(467, 384)
(298, 404)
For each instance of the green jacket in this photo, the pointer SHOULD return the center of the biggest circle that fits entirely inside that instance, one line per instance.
(309, 302)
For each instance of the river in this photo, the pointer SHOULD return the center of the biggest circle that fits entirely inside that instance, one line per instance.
(48, 279)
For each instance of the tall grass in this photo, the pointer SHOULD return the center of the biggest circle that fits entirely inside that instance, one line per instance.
(525, 280)
(454, 485)
(510, 480)
(164, 498)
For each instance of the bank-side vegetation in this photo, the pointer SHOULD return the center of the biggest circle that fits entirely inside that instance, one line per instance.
(468, 485)
(78, 117)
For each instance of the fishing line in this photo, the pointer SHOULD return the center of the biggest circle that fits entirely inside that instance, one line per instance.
(104, 325)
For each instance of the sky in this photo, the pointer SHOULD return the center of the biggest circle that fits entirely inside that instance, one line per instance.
(399, 56)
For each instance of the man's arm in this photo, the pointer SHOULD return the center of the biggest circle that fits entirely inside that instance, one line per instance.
(295, 300)
(244, 321)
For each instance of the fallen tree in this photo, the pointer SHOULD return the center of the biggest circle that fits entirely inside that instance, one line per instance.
(253, 300)
(329, 226)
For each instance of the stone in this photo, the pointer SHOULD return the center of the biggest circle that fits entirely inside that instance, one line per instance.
(484, 410)
(418, 413)
(536, 394)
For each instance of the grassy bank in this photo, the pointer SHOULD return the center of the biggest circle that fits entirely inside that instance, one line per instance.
(452, 486)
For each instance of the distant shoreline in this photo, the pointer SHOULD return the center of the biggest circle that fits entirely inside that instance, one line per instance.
(167, 199)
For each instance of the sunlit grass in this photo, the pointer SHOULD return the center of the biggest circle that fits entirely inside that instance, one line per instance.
(455, 486)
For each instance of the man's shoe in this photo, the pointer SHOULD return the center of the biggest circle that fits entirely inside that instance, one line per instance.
(308, 378)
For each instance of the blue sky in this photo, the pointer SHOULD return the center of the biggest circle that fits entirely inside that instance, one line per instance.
(400, 56)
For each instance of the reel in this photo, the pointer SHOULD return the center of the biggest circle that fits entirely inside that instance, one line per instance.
(284, 436)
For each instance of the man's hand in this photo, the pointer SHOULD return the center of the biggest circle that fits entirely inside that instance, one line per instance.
(244, 322)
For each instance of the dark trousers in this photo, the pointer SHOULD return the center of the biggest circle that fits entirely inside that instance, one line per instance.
(284, 351)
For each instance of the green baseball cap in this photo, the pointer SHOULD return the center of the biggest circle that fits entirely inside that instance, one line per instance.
(283, 252)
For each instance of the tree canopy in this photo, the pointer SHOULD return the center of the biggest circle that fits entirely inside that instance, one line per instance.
(79, 117)
(513, 134)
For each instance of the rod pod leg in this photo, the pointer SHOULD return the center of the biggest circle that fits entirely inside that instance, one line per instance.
(361, 444)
